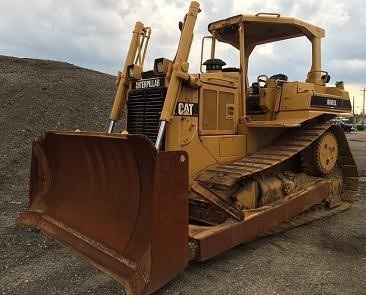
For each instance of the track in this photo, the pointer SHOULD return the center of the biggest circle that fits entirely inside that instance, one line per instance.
(221, 181)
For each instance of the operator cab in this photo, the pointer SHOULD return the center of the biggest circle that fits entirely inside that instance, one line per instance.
(266, 96)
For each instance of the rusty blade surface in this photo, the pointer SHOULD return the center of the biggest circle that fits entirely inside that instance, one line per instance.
(100, 194)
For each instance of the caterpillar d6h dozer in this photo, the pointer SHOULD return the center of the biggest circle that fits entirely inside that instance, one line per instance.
(208, 161)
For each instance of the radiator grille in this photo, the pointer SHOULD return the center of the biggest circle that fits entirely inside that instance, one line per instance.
(144, 108)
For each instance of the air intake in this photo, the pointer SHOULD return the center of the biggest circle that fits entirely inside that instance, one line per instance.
(144, 108)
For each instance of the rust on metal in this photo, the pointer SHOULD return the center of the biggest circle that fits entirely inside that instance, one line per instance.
(216, 240)
(116, 201)
(214, 199)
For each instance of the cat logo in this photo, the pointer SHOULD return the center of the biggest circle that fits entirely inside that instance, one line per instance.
(186, 109)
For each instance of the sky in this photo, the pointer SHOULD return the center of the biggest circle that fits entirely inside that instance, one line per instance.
(95, 34)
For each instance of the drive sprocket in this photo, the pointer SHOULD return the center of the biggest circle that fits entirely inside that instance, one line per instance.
(321, 157)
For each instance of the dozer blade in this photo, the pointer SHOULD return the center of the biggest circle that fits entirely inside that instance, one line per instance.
(116, 201)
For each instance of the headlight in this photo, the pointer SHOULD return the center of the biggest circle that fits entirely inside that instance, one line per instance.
(161, 66)
(134, 71)
(130, 72)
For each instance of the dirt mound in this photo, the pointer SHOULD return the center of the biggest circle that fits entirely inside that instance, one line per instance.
(35, 96)
(39, 95)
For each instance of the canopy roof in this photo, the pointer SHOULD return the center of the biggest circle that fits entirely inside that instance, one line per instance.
(262, 28)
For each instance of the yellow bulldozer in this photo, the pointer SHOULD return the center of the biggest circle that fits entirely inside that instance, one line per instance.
(208, 160)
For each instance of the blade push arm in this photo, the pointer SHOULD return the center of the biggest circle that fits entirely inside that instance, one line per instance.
(140, 37)
(179, 70)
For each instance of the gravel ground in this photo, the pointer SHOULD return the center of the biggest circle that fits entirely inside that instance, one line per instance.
(324, 257)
